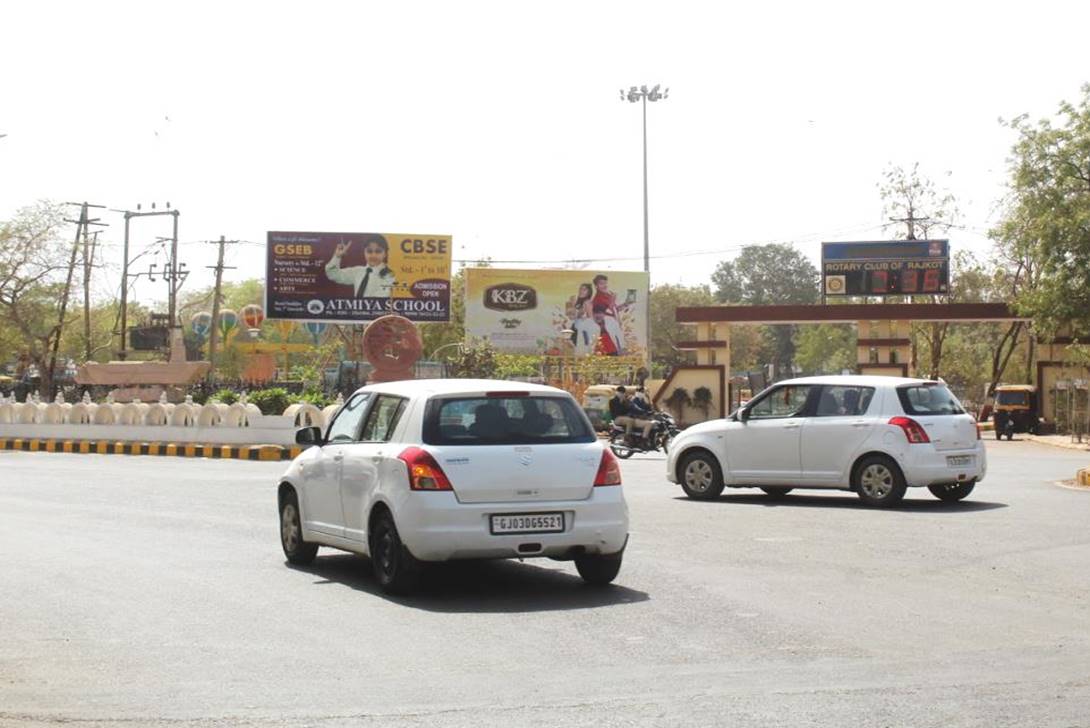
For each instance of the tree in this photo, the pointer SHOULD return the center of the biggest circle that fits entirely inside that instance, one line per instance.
(915, 201)
(1046, 224)
(769, 274)
(666, 332)
(34, 261)
(826, 349)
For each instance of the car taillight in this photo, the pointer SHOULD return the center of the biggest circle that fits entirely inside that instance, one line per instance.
(424, 472)
(609, 470)
(977, 430)
(912, 429)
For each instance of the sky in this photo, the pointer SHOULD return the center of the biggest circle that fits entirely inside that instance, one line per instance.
(501, 123)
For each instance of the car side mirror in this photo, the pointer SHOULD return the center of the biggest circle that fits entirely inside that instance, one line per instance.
(308, 436)
(743, 414)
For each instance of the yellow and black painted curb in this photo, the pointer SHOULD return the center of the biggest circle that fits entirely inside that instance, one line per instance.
(185, 449)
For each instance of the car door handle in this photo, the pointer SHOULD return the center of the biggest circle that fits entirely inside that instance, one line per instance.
(338, 458)
(860, 423)
(791, 426)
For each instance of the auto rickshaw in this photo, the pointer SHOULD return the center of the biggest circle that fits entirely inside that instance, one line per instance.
(1015, 410)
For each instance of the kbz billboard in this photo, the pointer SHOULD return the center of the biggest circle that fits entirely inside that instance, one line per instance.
(357, 277)
(558, 312)
(886, 268)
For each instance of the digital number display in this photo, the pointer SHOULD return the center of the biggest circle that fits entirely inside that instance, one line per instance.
(886, 268)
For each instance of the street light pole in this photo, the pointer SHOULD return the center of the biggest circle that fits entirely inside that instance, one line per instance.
(643, 95)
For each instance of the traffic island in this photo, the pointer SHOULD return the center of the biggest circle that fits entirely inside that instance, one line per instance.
(168, 449)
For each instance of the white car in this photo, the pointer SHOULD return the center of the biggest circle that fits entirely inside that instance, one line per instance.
(873, 435)
(434, 470)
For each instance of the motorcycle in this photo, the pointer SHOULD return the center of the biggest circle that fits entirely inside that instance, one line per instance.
(663, 431)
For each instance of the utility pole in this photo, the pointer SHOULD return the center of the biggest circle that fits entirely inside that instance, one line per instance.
(910, 222)
(81, 229)
(122, 354)
(88, 263)
(219, 268)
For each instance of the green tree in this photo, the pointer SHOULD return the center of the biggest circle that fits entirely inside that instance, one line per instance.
(34, 263)
(775, 273)
(1046, 223)
(666, 332)
(826, 348)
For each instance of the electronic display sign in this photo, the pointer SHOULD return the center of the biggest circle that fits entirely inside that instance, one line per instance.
(886, 268)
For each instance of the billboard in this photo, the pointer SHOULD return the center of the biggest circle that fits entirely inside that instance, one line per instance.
(357, 277)
(558, 312)
(886, 268)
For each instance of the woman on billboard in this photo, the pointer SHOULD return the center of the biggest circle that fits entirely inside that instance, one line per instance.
(374, 280)
(586, 330)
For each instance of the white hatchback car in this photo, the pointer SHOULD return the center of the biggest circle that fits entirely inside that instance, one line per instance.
(433, 470)
(874, 435)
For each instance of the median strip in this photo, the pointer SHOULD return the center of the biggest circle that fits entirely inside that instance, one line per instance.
(107, 447)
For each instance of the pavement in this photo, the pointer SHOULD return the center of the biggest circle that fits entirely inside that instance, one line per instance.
(146, 591)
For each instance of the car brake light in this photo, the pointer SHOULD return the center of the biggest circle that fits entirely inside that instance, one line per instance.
(609, 470)
(912, 429)
(506, 395)
(424, 472)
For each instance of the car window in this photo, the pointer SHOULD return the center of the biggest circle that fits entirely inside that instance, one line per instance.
(346, 423)
(839, 401)
(929, 399)
(787, 401)
(382, 419)
(515, 420)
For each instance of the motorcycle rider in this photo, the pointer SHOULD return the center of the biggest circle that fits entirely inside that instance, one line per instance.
(629, 413)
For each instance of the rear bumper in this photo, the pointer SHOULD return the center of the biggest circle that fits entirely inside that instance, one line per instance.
(930, 467)
(436, 527)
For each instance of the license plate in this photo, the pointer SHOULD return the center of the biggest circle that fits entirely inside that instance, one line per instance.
(958, 461)
(528, 523)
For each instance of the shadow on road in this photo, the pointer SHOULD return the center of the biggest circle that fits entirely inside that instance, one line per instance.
(480, 586)
(847, 500)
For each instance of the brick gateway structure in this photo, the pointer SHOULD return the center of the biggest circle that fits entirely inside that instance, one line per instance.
(883, 346)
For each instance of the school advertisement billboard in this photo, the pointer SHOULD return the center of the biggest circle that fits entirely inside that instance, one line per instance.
(558, 312)
(886, 268)
(357, 277)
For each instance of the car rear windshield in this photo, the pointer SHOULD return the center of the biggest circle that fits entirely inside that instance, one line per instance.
(929, 399)
(505, 420)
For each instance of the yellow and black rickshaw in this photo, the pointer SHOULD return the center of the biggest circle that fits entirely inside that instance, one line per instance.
(1015, 410)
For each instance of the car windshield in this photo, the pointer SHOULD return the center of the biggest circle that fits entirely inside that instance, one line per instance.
(929, 399)
(505, 420)
(1013, 398)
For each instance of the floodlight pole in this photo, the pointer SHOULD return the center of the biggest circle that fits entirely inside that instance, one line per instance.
(643, 95)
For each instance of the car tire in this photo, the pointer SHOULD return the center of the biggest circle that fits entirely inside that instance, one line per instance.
(600, 569)
(776, 492)
(700, 476)
(396, 570)
(878, 481)
(297, 551)
(952, 492)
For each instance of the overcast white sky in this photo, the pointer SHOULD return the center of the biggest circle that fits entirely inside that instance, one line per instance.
(501, 124)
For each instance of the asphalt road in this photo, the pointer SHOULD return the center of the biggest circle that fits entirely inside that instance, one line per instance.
(152, 591)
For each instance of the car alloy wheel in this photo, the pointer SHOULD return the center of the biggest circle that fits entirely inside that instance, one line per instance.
(876, 481)
(289, 528)
(699, 476)
(297, 550)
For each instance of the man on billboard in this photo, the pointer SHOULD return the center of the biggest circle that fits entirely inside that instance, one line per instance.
(608, 314)
(373, 280)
